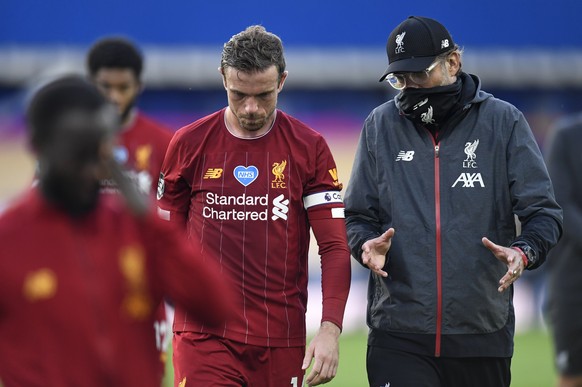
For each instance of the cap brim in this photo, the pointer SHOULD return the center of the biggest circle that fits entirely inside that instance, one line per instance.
(409, 65)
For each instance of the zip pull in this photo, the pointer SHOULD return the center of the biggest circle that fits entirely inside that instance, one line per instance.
(436, 151)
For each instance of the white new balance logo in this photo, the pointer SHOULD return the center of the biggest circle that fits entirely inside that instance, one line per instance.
(280, 208)
(405, 156)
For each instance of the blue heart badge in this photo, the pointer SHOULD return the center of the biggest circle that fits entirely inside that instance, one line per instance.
(246, 175)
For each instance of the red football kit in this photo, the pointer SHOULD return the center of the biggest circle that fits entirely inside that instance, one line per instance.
(251, 203)
(78, 296)
(141, 148)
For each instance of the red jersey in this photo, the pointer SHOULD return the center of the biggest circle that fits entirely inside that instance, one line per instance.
(78, 296)
(250, 203)
(141, 149)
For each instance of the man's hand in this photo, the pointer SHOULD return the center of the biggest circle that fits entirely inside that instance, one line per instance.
(511, 257)
(374, 252)
(136, 201)
(325, 349)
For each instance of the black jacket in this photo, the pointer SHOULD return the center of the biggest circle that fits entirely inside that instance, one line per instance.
(442, 197)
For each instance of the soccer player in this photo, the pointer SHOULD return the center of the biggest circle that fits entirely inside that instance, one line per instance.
(440, 173)
(115, 66)
(248, 182)
(80, 274)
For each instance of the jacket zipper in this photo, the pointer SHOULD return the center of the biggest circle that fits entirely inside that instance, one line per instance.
(437, 351)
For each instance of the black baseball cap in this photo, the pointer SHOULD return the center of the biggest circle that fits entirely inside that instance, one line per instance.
(415, 43)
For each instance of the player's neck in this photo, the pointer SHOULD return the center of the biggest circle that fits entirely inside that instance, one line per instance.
(234, 128)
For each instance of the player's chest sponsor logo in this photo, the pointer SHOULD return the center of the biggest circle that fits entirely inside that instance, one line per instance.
(245, 207)
(280, 208)
(246, 175)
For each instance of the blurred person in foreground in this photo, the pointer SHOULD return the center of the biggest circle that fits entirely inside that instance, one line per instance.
(564, 285)
(440, 173)
(115, 66)
(82, 272)
(249, 182)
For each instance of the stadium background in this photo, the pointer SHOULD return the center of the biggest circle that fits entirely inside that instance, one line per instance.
(526, 52)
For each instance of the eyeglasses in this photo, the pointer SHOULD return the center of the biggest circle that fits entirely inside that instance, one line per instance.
(398, 81)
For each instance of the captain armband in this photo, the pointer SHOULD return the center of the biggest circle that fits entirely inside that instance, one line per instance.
(314, 203)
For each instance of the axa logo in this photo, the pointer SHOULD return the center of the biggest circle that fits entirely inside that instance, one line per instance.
(280, 208)
(405, 155)
(469, 180)
(470, 149)
(278, 172)
(213, 173)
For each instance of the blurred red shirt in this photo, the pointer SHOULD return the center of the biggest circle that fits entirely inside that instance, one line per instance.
(78, 296)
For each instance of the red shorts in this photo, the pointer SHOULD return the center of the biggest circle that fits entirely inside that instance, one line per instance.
(207, 360)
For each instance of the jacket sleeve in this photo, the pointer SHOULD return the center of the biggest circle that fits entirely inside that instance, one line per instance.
(532, 193)
(362, 199)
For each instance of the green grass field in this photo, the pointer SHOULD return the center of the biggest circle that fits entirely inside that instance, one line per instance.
(532, 364)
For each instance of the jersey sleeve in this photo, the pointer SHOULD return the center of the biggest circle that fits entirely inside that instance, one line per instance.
(163, 141)
(325, 211)
(174, 190)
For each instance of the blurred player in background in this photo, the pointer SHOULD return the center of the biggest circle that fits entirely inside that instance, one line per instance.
(115, 66)
(248, 182)
(80, 274)
(564, 286)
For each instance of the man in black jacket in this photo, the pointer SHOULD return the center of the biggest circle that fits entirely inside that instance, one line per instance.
(440, 174)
